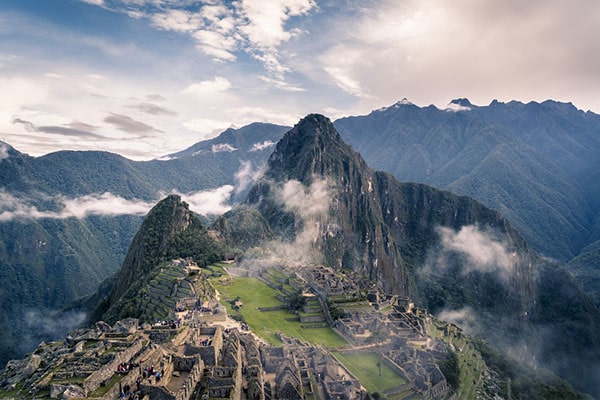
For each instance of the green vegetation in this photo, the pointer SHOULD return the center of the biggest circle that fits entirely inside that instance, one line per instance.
(102, 390)
(254, 294)
(521, 382)
(365, 367)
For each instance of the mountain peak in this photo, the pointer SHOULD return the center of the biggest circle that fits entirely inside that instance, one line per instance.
(311, 147)
(462, 102)
(169, 231)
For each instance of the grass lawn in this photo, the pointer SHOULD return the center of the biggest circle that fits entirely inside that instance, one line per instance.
(364, 367)
(254, 294)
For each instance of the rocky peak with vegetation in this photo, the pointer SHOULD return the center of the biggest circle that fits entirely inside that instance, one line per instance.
(169, 231)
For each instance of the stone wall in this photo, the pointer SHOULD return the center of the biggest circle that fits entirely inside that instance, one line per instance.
(312, 318)
(191, 381)
(93, 381)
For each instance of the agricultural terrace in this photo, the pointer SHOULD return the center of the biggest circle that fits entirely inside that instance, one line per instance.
(470, 363)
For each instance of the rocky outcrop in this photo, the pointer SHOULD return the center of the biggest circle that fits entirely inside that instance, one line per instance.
(169, 231)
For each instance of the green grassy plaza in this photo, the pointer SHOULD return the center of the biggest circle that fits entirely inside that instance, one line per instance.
(255, 294)
(364, 368)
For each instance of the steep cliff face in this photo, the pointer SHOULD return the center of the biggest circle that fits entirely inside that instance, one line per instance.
(319, 192)
(450, 253)
(169, 231)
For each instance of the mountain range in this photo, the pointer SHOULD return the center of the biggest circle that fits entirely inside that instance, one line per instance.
(322, 203)
(536, 163)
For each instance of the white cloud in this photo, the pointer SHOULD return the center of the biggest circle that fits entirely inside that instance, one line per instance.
(94, 2)
(246, 176)
(214, 202)
(455, 107)
(266, 19)
(465, 317)
(308, 202)
(12, 207)
(216, 44)
(209, 87)
(262, 146)
(104, 204)
(211, 202)
(222, 148)
(4, 151)
(177, 20)
(350, 85)
(310, 205)
(482, 252)
(283, 85)
(249, 114)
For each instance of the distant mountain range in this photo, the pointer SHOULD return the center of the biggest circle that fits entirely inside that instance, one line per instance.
(536, 163)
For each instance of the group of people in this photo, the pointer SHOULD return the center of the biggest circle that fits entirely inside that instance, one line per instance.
(126, 392)
(150, 372)
(126, 367)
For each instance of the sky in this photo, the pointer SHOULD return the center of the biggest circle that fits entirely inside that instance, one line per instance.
(145, 78)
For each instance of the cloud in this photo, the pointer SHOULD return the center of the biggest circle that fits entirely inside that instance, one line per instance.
(307, 202)
(12, 207)
(222, 147)
(209, 87)
(216, 45)
(481, 251)
(153, 109)
(465, 317)
(348, 84)
(281, 84)
(128, 124)
(104, 204)
(310, 206)
(94, 2)
(74, 128)
(49, 323)
(211, 202)
(261, 146)
(4, 148)
(29, 127)
(177, 20)
(266, 19)
(455, 107)
(223, 29)
(264, 28)
(246, 176)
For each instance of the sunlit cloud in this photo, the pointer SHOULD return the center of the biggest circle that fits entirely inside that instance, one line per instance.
(204, 88)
